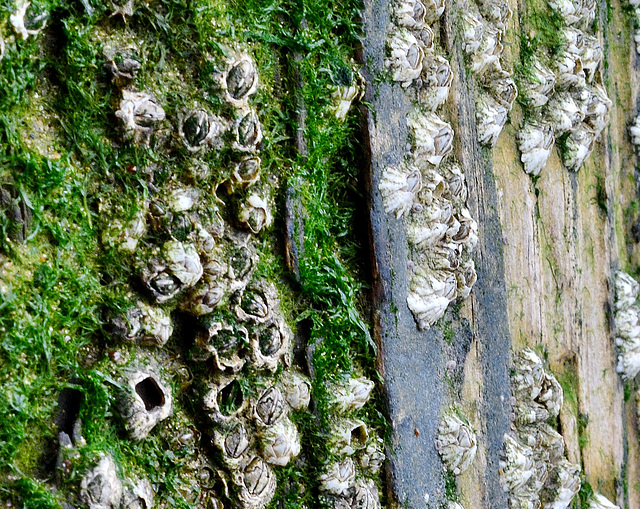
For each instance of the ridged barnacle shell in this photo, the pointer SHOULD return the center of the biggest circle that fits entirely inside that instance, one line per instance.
(627, 290)
(339, 477)
(101, 488)
(528, 374)
(271, 407)
(125, 234)
(432, 137)
(429, 226)
(491, 117)
(487, 56)
(257, 484)
(410, 14)
(434, 9)
(296, 389)
(121, 63)
(453, 505)
(198, 129)
(599, 501)
(224, 400)
(496, 11)
(578, 146)
(351, 395)
(472, 31)
(399, 186)
(568, 64)
(436, 81)
(139, 113)
(596, 107)
(456, 443)
(517, 465)
(183, 261)
(372, 456)
(349, 87)
(467, 232)
(405, 56)
(502, 87)
(590, 55)
(574, 11)
(347, 436)
(234, 444)
(563, 112)
(254, 213)
(26, 24)
(536, 141)
(562, 486)
(149, 324)
(146, 400)
(138, 494)
(280, 443)
(628, 363)
(239, 80)
(365, 495)
(270, 344)
(429, 295)
(466, 277)
(256, 303)
(247, 131)
(224, 343)
(544, 440)
(245, 172)
(204, 298)
(538, 84)
(160, 282)
(455, 180)
(122, 8)
(241, 262)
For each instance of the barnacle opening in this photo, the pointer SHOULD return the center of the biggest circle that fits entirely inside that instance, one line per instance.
(230, 398)
(150, 393)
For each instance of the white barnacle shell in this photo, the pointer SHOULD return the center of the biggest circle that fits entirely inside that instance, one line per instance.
(538, 84)
(256, 304)
(239, 80)
(339, 477)
(146, 401)
(467, 231)
(269, 344)
(365, 495)
(634, 131)
(257, 485)
(590, 55)
(578, 147)
(466, 277)
(1, 47)
(545, 441)
(245, 172)
(436, 80)
(596, 108)
(571, 10)
(350, 396)
(155, 324)
(204, 298)
(198, 129)
(224, 344)
(536, 141)
(627, 289)
(496, 11)
(224, 400)
(254, 213)
(410, 14)
(491, 117)
(27, 25)
(430, 292)
(351, 88)
(429, 226)
(183, 262)
(372, 456)
(405, 56)
(296, 389)
(280, 443)
(456, 443)
(517, 465)
(627, 323)
(125, 235)
(528, 375)
(565, 484)
(487, 56)
(137, 495)
(139, 113)
(472, 31)
(234, 444)
(101, 488)
(502, 87)
(161, 283)
(568, 64)
(432, 137)
(434, 9)
(241, 262)
(455, 181)
(399, 186)
(599, 501)
(247, 131)
(347, 436)
(628, 363)
(563, 112)
(271, 407)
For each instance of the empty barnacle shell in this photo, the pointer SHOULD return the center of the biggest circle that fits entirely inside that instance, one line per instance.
(562, 486)
(339, 477)
(254, 213)
(599, 501)
(517, 465)
(472, 31)
(432, 137)
(372, 456)
(239, 80)
(456, 443)
(296, 389)
(563, 112)
(436, 81)
(143, 322)
(538, 84)
(491, 117)
(146, 400)
(223, 343)
(224, 399)
(365, 495)
(578, 146)
(121, 63)
(347, 436)
(487, 56)
(139, 112)
(257, 485)
(466, 277)
(410, 14)
(349, 87)
(246, 172)
(234, 444)
(570, 10)
(138, 494)
(280, 443)
(627, 290)
(270, 407)
(241, 262)
(27, 23)
(399, 186)
(502, 87)
(351, 395)
(269, 344)
(536, 140)
(101, 488)
(405, 56)
(497, 12)
(429, 295)
(247, 132)
(197, 129)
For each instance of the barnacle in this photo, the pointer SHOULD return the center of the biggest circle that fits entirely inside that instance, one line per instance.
(204, 298)
(365, 495)
(144, 322)
(257, 485)
(245, 172)
(429, 295)
(348, 436)
(456, 185)
(125, 235)
(590, 55)
(372, 456)
(339, 477)
(197, 129)
(269, 344)
(101, 488)
(234, 444)
(434, 9)
(146, 400)
(139, 113)
(564, 481)
(138, 494)
(491, 117)
(224, 399)
(399, 186)
(27, 24)
(596, 107)
(346, 91)
(121, 63)
(634, 131)
(599, 501)
(627, 290)
(466, 277)
(239, 80)
(572, 11)
(517, 465)
(472, 31)
(496, 11)
(296, 389)
(568, 64)
(224, 344)
(280, 443)
(563, 112)
(537, 391)
(410, 14)
(256, 304)
(436, 81)
(538, 84)
(350, 396)
(467, 231)
(627, 324)
(456, 443)
(432, 137)
(270, 407)
(536, 141)
(429, 226)
(502, 88)
(247, 132)
(254, 213)
(544, 441)
(487, 56)
(405, 56)
(578, 147)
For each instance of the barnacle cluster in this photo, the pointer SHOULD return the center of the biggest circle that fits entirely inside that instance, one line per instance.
(483, 25)
(565, 96)
(533, 469)
(627, 325)
(599, 501)
(429, 195)
(456, 443)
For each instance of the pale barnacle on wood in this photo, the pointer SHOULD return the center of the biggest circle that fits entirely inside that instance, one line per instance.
(399, 186)
(456, 184)
(456, 443)
(125, 235)
(270, 344)
(144, 322)
(578, 147)
(280, 443)
(491, 117)
(467, 277)
(502, 88)
(350, 396)
(410, 14)
(627, 290)
(224, 344)
(432, 137)
(573, 11)
(596, 107)
(590, 56)
(472, 31)
(146, 400)
(429, 295)
(347, 436)
(245, 172)
(434, 9)
(339, 477)
(224, 399)
(26, 24)
(405, 56)
(568, 64)
(206, 297)
(270, 407)
(599, 501)
(517, 465)
(247, 132)
(634, 131)
(372, 456)
(564, 481)
(627, 323)
(234, 444)
(436, 81)
(255, 214)
(496, 11)
(101, 488)
(296, 389)
(183, 262)
(197, 129)
(257, 484)
(121, 63)
(239, 80)
(487, 56)
(365, 495)
(429, 226)
(544, 440)
(350, 87)
(563, 112)
(536, 139)
(139, 113)
(538, 84)
(467, 231)
(138, 494)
